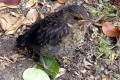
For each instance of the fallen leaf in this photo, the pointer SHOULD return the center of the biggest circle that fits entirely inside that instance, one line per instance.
(5, 63)
(29, 4)
(14, 28)
(80, 77)
(88, 1)
(10, 2)
(87, 67)
(3, 23)
(61, 72)
(91, 75)
(110, 30)
(23, 52)
(86, 63)
(62, 1)
(35, 74)
(40, 16)
(7, 20)
(14, 57)
(2, 8)
(105, 78)
(55, 6)
(2, 67)
(8, 5)
(112, 56)
(31, 17)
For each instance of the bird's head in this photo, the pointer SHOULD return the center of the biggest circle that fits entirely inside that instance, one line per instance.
(20, 42)
(77, 14)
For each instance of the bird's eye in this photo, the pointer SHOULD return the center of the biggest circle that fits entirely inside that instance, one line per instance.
(76, 18)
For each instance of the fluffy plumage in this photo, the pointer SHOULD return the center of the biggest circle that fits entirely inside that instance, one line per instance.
(56, 35)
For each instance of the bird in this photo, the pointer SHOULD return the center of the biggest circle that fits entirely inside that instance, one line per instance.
(58, 34)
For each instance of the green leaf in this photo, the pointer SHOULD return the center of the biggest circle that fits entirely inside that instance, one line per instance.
(34, 1)
(116, 76)
(52, 63)
(65, 61)
(105, 18)
(101, 44)
(35, 74)
(113, 14)
(117, 53)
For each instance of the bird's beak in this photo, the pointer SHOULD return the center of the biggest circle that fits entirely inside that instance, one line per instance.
(87, 20)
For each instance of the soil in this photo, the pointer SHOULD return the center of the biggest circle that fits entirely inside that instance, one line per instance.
(80, 66)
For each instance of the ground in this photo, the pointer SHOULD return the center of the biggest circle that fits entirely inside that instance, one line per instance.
(82, 63)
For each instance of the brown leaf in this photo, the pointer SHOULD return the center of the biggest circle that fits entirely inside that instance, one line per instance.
(40, 16)
(2, 67)
(10, 6)
(86, 63)
(91, 75)
(112, 56)
(2, 8)
(31, 17)
(7, 20)
(80, 77)
(62, 1)
(88, 1)
(87, 67)
(14, 28)
(55, 6)
(3, 23)
(14, 57)
(105, 78)
(29, 4)
(23, 52)
(61, 72)
(110, 30)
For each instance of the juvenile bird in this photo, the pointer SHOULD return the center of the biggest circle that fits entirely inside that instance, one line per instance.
(58, 34)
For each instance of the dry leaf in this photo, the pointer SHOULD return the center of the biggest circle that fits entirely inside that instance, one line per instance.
(91, 75)
(62, 1)
(14, 28)
(110, 30)
(8, 19)
(112, 56)
(61, 72)
(10, 2)
(87, 67)
(3, 23)
(40, 16)
(29, 4)
(88, 1)
(2, 8)
(5, 63)
(2, 67)
(23, 52)
(105, 78)
(31, 17)
(14, 57)
(9, 6)
(80, 77)
(86, 63)
(55, 6)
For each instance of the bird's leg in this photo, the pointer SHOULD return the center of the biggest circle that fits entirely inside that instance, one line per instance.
(46, 68)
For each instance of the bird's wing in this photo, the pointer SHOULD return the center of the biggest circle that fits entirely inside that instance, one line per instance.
(52, 32)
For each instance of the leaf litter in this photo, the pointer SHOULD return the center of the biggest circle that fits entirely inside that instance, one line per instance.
(90, 50)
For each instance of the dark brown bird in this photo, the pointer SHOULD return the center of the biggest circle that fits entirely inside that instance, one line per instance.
(58, 34)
